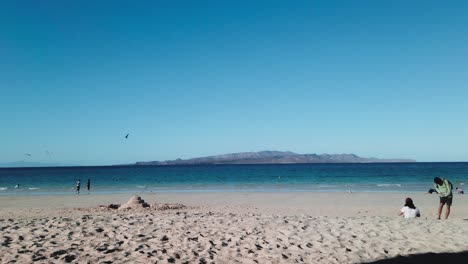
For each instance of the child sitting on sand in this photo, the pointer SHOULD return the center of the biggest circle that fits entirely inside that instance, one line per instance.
(409, 210)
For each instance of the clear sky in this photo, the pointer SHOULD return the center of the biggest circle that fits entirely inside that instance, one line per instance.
(192, 78)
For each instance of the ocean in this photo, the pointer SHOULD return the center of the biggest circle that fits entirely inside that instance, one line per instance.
(371, 177)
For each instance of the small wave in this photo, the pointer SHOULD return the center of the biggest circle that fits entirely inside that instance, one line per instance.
(326, 186)
(389, 185)
(462, 183)
(33, 188)
(3, 188)
(141, 186)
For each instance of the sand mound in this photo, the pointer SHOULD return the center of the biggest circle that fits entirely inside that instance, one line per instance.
(134, 203)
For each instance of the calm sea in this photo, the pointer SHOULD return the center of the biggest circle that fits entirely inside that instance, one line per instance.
(388, 177)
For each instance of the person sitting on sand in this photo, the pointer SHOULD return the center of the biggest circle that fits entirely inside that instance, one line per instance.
(409, 210)
(431, 191)
(459, 190)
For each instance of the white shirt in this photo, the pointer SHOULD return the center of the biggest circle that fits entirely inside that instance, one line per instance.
(410, 213)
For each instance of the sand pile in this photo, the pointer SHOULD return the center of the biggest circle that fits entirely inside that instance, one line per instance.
(134, 203)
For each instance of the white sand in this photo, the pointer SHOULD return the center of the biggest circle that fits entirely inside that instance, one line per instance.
(227, 228)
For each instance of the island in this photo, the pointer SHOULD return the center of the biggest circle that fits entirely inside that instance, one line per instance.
(271, 157)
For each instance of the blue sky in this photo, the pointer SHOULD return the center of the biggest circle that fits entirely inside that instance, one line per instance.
(186, 79)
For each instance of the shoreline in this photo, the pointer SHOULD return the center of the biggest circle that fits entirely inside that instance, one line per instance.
(316, 203)
(297, 188)
(207, 191)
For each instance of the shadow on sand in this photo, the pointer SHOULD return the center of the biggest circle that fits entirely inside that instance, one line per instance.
(426, 258)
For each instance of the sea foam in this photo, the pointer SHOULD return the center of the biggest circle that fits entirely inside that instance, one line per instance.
(389, 185)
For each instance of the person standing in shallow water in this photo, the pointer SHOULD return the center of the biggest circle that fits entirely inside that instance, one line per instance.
(444, 188)
(88, 185)
(78, 186)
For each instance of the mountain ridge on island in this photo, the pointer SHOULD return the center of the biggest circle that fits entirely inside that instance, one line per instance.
(271, 157)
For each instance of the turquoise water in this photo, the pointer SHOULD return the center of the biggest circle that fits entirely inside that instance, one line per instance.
(381, 177)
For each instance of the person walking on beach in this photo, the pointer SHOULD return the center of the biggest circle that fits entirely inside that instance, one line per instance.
(444, 188)
(409, 210)
(78, 185)
(88, 185)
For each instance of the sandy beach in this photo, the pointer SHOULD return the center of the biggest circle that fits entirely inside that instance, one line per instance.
(226, 228)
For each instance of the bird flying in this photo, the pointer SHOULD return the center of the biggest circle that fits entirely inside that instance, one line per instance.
(27, 154)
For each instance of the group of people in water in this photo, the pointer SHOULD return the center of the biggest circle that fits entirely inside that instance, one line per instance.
(78, 186)
(441, 186)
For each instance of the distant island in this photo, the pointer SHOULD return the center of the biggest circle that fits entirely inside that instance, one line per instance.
(272, 157)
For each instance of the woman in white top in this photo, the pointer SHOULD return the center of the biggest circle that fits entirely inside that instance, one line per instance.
(409, 210)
